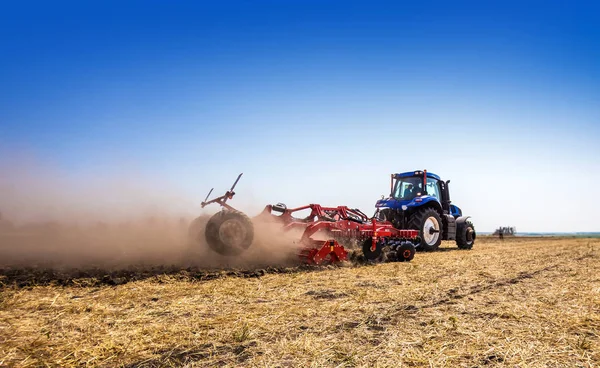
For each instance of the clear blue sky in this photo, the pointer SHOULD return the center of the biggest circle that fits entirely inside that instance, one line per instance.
(315, 101)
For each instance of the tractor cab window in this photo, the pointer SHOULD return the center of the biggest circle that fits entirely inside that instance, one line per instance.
(433, 188)
(408, 188)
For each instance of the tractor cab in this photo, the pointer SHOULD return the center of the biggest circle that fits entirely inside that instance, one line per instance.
(408, 188)
(414, 188)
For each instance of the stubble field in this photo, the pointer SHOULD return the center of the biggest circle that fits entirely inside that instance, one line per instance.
(521, 302)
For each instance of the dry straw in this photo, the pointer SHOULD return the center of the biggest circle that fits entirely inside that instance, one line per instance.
(521, 302)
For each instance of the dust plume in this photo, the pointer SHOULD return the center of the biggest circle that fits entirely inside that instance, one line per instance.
(106, 219)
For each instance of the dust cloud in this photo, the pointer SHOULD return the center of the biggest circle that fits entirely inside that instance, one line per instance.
(101, 219)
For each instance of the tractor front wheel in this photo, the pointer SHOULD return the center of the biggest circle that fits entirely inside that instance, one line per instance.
(429, 224)
(465, 237)
(229, 232)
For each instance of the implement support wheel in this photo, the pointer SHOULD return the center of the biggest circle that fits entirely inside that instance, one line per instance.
(406, 252)
(229, 232)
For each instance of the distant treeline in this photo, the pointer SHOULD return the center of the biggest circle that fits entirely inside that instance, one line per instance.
(578, 234)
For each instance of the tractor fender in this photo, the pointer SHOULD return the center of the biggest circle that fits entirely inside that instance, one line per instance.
(426, 202)
(455, 211)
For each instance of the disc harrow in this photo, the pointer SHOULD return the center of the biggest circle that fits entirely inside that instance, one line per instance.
(229, 232)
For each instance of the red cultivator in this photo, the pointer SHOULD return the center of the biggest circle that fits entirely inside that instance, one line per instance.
(230, 232)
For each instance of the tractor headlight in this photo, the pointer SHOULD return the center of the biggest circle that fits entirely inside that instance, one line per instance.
(404, 207)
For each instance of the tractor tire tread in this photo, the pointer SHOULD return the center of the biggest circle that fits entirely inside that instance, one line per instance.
(212, 232)
(461, 236)
(416, 222)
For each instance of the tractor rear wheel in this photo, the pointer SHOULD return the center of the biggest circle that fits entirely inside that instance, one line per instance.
(229, 232)
(429, 224)
(465, 238)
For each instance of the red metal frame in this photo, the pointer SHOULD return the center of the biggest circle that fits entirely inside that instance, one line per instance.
(341, 221)
(317, 213)
(319, 251)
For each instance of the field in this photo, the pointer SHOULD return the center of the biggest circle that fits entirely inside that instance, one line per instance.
(523, 302)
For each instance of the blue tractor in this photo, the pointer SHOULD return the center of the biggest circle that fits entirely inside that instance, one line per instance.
(420, 200)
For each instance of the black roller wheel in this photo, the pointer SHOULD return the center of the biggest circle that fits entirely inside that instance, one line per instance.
(429, 224)
(229, 232)
(405, 252)
(371, 255)
(465, 238)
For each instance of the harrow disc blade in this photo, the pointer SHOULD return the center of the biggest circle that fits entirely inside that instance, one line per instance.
(371, 254)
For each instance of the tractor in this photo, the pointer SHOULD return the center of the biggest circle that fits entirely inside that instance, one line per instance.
(420, 200)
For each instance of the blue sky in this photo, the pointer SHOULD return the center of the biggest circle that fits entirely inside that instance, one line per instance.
(315, 101)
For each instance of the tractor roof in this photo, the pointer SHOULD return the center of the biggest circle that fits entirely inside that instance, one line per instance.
(408, 174)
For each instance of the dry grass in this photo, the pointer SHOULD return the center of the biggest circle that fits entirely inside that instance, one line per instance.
(523, 302)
